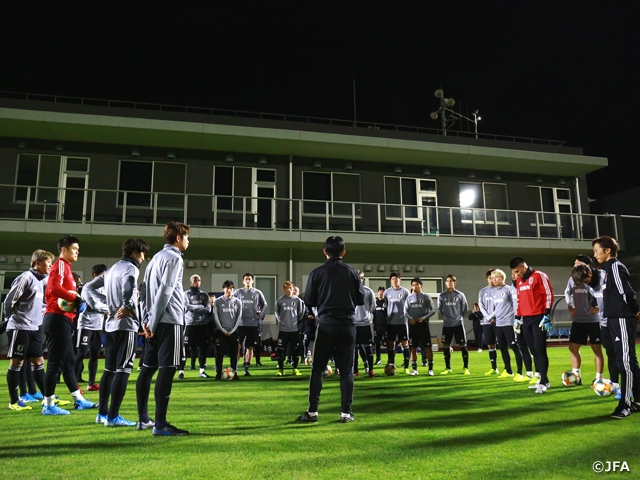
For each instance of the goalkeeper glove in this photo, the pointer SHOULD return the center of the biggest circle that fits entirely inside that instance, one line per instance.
(545, 323)
(516, 325)
(79, 304)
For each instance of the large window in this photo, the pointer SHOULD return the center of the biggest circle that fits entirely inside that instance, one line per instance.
(551, 201)
(37, 171)
(483, 197)
(237, 186)
(409, 194)
(163, 178)
(343, 189)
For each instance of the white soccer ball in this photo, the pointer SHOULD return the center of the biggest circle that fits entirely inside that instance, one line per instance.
(603, 387)
(228, 373)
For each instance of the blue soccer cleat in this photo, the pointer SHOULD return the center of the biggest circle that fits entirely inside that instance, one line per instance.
(101, 419)
(38, 396)
(617, 393)
(26, 398)
(84, 405)
(119, 422)
(54, 410)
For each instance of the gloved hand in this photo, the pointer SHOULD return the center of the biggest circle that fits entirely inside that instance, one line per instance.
(516, 325)
(79, 304)
(545, 323)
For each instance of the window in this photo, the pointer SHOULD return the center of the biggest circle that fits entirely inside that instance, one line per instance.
(37, 171)
(481, 196)
(153, 177)
(552, 201)
(267, 285)
(237, 182)
(343, 189)
(408, 193)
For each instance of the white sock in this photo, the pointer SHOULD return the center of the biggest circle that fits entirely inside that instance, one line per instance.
(77, 395)
(598, 376)
(615, 385)
(530, 374)
(537, 374)
(181, 371)
(49, 401)
(343, 415)
(576, 371)
(202, 370)
(313, 414)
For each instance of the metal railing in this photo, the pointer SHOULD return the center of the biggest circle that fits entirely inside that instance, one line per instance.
(269, 116)
(48, 204)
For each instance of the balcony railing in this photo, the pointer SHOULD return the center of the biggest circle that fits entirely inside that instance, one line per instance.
(99, 206)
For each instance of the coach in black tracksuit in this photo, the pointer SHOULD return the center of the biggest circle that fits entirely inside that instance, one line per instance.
(335, 289)
(622, 313)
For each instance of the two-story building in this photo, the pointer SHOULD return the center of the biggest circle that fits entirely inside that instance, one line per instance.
(262, 192)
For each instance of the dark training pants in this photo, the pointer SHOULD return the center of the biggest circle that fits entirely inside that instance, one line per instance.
(536, 339)
(623, 334)
(339, 341)
(61, 357)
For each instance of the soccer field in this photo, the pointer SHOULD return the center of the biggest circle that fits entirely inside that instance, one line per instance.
(406, 427)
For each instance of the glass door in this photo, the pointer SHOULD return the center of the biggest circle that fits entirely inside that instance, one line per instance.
(73, 194)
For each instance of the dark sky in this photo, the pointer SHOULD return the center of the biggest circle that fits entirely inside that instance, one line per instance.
(565, 72)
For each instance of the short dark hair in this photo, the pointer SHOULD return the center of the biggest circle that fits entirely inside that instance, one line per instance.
(584, 259)
(133, 245)
(394, 274)
(418, 280)
(227, 284)
(334, 246)
(67, 241)
(212, 294)
(579, 273)
(381, 288)
(516, 262)
(452, 277)
(248, 275)
(489, 272)
(607, 242)
(173, 230)
(98, 269)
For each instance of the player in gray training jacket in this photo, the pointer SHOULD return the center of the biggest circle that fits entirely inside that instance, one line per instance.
(505, 302)
(227, 310)
(452, 305)
(23, 311)
(489, 331)
(163, 326)
(419, 309)
(585, 316)
(196, 318)
(289, 313)
(396, 296)
(254, 308)
(90, 326)
(364, 335)
(120, 284)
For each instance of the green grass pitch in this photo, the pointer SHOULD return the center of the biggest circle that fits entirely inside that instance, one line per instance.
(467, 427)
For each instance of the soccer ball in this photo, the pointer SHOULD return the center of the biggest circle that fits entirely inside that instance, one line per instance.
(390, 369)
(570, 379)
(308, 360)
(66, 306)
(328, 371)
(603, 387)
(228, 373)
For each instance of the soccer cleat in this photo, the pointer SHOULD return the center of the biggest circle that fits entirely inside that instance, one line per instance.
(356, 373)
(246, 373)
(492, 371)
(296, 372)
(635, 406)
(169, 431)
(54, 410)
(192, 367)
(467, 372)
(346, 418)
(620, 413)
(81, 380)
(204, 375)
(119, 422)
(57, 401)
(101, 419)
(579, 381)
(93, 388)
(280, 373)
(617, 393)
(84, 405)
(145, 425)
(424, 364)
(430, 373)
(38, 396)
(541, 388)
(407, 371)
(181, 376)
(505, 374)
(479, 350)
(306, 418)
(19, 405)
(258, 363)
(446, 372)
(413, 372)
(378, 362)
(371, 374)
(520, 378)
(534, 380)
(26, 398)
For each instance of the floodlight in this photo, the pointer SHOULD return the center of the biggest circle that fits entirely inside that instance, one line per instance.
(434, 115)
(439, 93)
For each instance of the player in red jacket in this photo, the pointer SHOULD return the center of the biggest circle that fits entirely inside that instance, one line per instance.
(535, 299)
(57, 326)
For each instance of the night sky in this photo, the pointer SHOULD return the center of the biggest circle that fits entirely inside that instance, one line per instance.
(565, 72)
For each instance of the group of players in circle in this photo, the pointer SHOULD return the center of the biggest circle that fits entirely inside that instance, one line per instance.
(45, 300)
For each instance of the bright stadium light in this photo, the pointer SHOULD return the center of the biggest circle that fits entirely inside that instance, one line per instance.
(467, 198)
